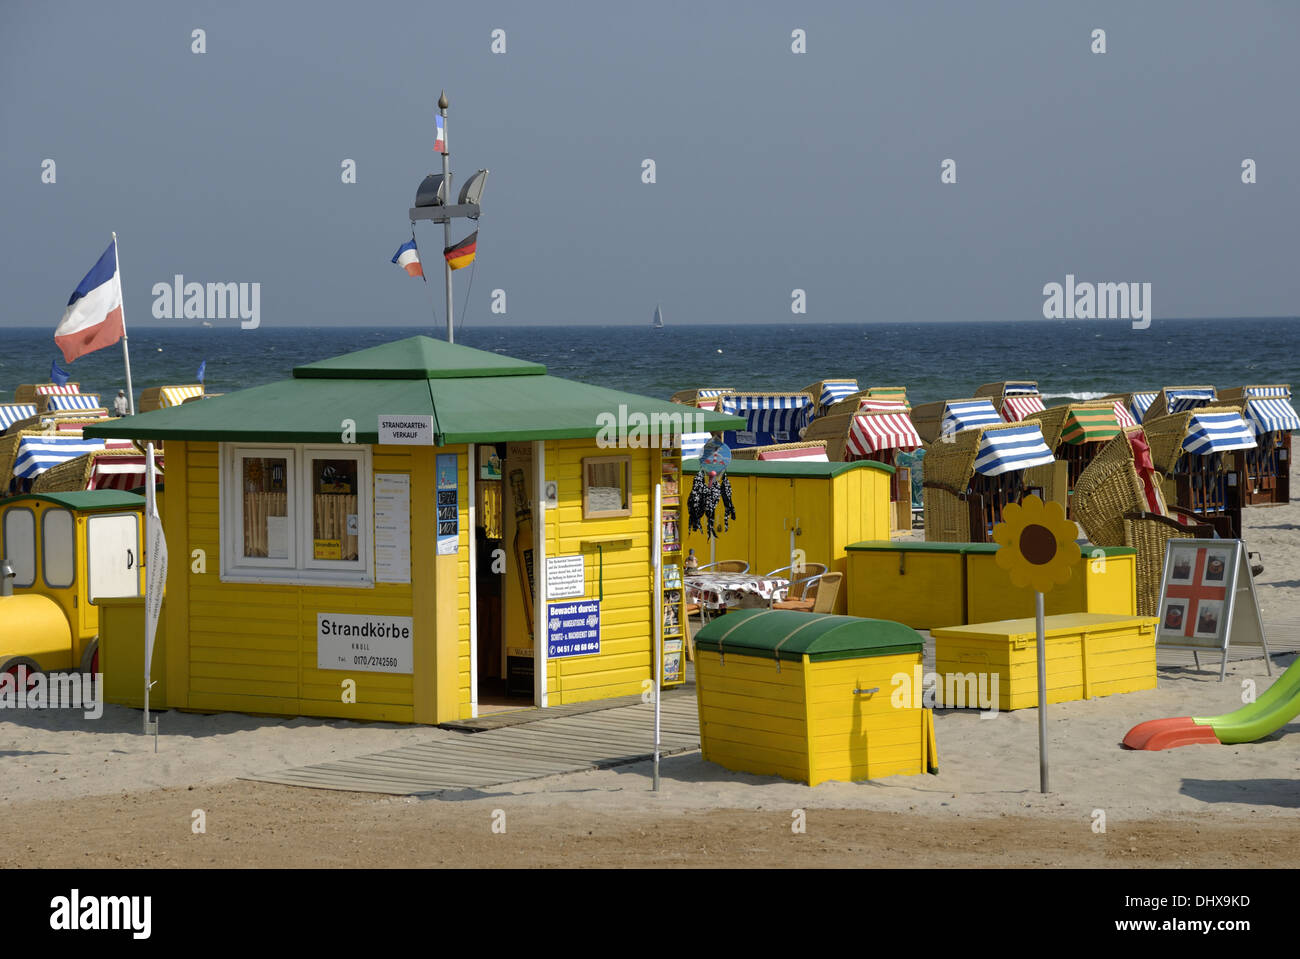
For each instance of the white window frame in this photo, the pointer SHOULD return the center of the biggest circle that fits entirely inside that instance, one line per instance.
(301, 568)
(72, 547)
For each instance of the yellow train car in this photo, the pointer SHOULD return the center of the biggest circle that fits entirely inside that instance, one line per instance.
(819, 508)
(68, 551)
(416, 532)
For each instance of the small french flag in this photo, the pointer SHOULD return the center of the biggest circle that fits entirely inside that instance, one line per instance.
(93, 318)
(408, 256)
(440, 140)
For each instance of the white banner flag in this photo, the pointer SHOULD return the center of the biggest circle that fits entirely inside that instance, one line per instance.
(155, 565)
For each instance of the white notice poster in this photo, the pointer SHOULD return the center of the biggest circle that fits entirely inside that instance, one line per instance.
(392, 528)
(565, 577)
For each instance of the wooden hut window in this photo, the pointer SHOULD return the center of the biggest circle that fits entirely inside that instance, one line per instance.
(265, 484)
(606, 487)
(334, 488)
(297, 514)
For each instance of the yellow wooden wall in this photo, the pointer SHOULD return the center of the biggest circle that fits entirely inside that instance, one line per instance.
(626, 627)
(251, 647)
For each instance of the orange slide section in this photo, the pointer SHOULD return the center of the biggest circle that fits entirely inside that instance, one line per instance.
(1168, 733)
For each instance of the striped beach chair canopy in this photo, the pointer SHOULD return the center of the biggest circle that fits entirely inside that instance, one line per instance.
(961, 415)
(1012, 448)
(876, 432)
(1016, 406)
(1217, 433)
(778, 415)
(880, 404)
(123, 472)
(1020, 388)
(176, 395)
(1271, 414)
(54, 389)
(705, 397)
(11, 413)
(693, 444)
(1280, 392)
(1090, 424)
(795, 454)
(1140, 403)
(830, 392)
(1182, 399)
(1122, 415)
(36, 454)
(73, 401)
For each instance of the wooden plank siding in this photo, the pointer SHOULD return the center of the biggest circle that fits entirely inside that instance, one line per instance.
(626, 631)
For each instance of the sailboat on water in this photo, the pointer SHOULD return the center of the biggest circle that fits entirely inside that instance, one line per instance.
(658, 322)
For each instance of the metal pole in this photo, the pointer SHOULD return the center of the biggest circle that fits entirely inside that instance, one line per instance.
(658, 617)
(446, 226)
(126, 354)
(1042, 692)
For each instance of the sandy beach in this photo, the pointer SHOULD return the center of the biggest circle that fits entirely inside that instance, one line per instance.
(93, 793)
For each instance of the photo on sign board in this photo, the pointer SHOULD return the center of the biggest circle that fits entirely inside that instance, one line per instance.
(1216, 566)
(1182, 568)
(1208, 618)
(1175, 616)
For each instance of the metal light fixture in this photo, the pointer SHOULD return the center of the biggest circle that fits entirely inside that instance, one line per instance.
(473, 188)
(432, 191)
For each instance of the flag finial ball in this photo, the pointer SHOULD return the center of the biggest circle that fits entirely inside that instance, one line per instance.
(442, 101)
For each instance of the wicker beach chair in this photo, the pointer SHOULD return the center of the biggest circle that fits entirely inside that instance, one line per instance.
(956, 507)
(79, 472)
(1058, 479)
(695, 397)
(1114, 506)
(826, 393)
(1160, 405)
(1266, 469)
(832, 431)
(28, 392)
(1208, 489)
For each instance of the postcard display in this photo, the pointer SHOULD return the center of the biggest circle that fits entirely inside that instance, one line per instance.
(1207, 599)
(672, 600)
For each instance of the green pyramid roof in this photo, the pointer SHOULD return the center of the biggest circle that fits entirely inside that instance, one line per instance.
(470, 396)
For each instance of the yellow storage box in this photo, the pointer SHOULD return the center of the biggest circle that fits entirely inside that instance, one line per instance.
(922, 585)
(1103, 581)
(121, 653)
(1088, 654)
(819, 508)
(928, 585)
(810, 697)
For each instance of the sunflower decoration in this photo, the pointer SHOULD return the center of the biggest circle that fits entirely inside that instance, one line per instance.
(1038, 544)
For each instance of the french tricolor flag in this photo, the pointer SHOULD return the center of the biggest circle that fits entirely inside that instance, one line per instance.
(408, 257)
(93, 319)
(440, 137)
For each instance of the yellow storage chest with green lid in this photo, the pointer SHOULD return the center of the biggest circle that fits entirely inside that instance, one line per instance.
(811, 697)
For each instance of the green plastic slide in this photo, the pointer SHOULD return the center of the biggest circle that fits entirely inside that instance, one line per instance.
(1278, 706)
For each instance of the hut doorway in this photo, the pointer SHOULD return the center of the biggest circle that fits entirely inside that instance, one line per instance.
(505, 542)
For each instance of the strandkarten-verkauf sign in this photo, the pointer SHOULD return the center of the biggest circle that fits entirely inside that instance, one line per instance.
(376, 644)
(406, 430)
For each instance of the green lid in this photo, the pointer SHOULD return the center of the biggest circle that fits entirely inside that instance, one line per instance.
(788, 634)
(84, 500)
(1087, 550)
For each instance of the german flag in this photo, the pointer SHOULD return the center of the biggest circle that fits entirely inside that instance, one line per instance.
(462, 253)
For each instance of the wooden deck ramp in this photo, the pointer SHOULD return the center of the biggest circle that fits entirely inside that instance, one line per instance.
(545, 747)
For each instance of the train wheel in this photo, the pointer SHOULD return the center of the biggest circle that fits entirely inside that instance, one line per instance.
(90, 657)
(20, 668)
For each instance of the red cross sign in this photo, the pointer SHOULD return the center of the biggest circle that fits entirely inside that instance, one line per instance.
(1195, 592)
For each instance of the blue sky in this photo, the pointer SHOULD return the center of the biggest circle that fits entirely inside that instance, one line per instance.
(775, 171)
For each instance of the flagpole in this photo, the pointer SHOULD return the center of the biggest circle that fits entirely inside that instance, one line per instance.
(126, 354)
(446, 226)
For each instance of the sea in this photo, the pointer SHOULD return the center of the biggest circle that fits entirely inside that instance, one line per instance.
(1070, 360)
